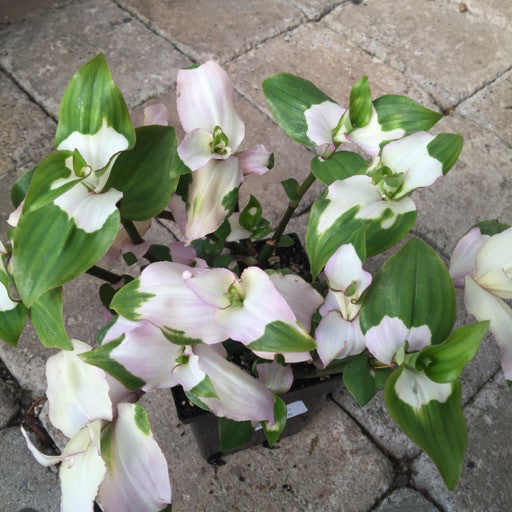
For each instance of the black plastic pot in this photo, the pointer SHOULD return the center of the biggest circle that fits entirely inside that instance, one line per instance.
(303, 399)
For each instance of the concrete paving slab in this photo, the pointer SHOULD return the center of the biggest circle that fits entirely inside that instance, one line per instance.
(27, 132)
(497, 12)
(491, 108)
(403, 33)
(478, 187)
(329, 466)
(142, 63)
(331, 61)
(9, 406)
(484, 484)
(406, 500)
(314, 9)
(24, 483)
(215, 30)
(12, 12)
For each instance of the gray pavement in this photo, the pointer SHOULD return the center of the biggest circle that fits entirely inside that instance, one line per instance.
(454, 58)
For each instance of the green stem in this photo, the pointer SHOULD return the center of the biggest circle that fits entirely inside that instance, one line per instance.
(166, 215)
(271, 244)
(104, 274)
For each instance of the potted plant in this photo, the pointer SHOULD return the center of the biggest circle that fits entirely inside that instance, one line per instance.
(231, 312)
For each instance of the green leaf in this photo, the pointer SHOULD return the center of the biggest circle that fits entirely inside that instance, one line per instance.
(288, 97)
(100, 357)
(445, 362)
(46, 315)
(128, 299)
(446, 148)
(491, 227)
(381, 376)
(205, 389)
(322, 245)
(341, 165)
(360, 103)
(285, 241)
(281, 337)
(49, 249)
(12, 321)
(291, 187)
(273, 432)
(250, 216)
(438, 427)
(20, 187)
(404, 113)
(145, 173)
(91, 101)
(359, 380)
(103, 331)
(234, 435)
(415, 286)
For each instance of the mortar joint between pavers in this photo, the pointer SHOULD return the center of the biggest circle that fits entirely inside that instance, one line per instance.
(149, 25)
(427, 496)
(29, 96)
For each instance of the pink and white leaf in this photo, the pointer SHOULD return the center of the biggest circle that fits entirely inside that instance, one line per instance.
(210, 285)
(174, 306)
(156, 114)
(256, 160)
(276, 377)
(145, 352)
(302, 298)
(486, 306)
(205, 99)
(210, 185)
(78, 393)
(385, 339)
(137, 477)
(463, 260)
(195, 149)
(240, 396)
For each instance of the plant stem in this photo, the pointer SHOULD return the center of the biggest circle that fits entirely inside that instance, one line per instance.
(104, 274)
(271, 244)
(166, 215)
(130, 228)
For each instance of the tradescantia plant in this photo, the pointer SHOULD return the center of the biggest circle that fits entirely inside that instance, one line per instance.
(191, 311)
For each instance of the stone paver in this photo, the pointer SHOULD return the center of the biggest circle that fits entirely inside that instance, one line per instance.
(308, 472)
(497, 12)
(12, 12)
(291, 159)
(330, 61)
(313, 9)
(8, 405)
(24, 483)
(478, 187)
(485, 483)
(85, 29)
(27, 132)
(406, 500)
(491, 107)
(468, 54)
(215, 30)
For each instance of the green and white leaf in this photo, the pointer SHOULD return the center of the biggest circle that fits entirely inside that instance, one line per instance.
(288, 97)
(339, 166)
(46, 315)
(93, 116)
(273, 432)
(431, 415)
(281, 337)
(348, 205)
(100, 357)
(20, 187)
(415, 286)
(445, 362)
(59, 238)
(12, 316)
(146, 174)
